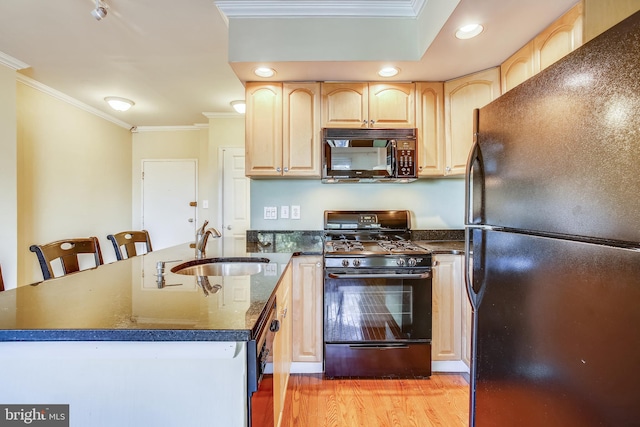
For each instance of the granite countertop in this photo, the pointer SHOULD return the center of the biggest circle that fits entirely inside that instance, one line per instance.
(122, 301)
(304, 242)
(453, 247)
(311, 242)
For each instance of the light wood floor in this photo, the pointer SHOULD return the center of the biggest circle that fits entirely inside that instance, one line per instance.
(441, 400)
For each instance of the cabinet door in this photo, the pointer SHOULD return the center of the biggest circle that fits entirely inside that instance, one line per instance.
(282, 346)
(600, 15)
(461, 97)
(301, 130)
(392, 105)
(430, 124)
(447, 283)
(263, 129)
(307, 309)
(558, 39)
(345, 105)
(517, 68)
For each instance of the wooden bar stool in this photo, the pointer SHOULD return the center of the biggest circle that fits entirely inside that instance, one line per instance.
(66, 251)
(124, 243)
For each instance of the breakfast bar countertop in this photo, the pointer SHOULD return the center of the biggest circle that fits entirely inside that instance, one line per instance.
(123, 301)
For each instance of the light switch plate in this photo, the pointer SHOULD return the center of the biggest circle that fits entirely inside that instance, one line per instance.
(270, 212)
(295, 212)
(284, 211)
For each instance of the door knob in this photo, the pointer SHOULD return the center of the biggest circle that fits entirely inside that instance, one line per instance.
(190, 220)
(228, 227)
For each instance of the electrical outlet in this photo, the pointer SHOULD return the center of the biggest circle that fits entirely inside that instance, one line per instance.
(284, 211)
(271, 269)
(295, 212)
(270, 212)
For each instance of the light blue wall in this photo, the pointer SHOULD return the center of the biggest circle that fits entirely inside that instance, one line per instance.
(434, 203)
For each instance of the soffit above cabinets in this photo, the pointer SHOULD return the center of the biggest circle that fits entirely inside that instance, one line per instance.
(350, 41)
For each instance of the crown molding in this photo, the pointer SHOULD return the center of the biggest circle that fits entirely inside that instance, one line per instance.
(319, 8)
(12, 62)
(223, 115)
(69, 100)
(196, 126)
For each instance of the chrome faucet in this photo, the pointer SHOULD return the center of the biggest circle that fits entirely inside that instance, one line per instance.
(202, 235)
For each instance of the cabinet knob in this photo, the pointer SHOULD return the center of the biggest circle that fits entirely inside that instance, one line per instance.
(278, 169)
(448, 168)
(286, 169)
(372, 122)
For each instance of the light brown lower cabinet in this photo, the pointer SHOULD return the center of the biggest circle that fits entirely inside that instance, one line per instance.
(451, 311)
(307, 294)
(282, 345)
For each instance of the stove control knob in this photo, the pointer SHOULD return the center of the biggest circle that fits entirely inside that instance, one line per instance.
(356, 262)
(345, 263)
(411, 262)
(400, 262)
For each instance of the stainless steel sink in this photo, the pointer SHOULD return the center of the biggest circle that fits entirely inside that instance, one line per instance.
(230, 266)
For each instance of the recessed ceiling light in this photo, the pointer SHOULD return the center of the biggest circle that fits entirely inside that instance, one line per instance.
(239, 106)
(469, 31)
(264, 72)
(119, 104)
(388, 72)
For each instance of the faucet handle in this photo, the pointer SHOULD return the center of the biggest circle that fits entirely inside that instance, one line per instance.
(201, 229)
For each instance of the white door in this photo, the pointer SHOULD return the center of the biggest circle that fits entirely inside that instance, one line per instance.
(236, 215)
(169, 195)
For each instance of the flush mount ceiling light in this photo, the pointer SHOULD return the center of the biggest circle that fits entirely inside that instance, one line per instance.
(264, 72)
(100, 11)
(239, 106)
(469, 31)
(119, 104)
(388, 72)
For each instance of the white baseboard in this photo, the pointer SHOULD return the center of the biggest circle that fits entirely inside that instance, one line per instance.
(307, 368)
(449, 366)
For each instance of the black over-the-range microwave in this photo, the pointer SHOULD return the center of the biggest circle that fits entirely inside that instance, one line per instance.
(369, 155)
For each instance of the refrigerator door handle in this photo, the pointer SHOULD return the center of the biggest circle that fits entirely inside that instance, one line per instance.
(468, 267)
(475, 157)
(475, 257)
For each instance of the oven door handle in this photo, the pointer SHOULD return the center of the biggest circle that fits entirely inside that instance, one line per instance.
(424, 275)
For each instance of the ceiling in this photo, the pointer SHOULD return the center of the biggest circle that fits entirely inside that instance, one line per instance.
(173, 58)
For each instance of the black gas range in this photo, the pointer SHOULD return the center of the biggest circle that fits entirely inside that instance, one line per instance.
(372, 239)
(377, 296)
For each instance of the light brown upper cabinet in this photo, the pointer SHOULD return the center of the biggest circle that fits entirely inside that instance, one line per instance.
(368, 105)
(461, 97)
(430, 124)
(283, 130)
(518, 68)
(600, 15)
(560, 38)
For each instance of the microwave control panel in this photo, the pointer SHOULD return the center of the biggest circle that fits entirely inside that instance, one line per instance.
(406, 159)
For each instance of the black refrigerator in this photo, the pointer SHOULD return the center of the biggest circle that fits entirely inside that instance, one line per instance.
(553, 243)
